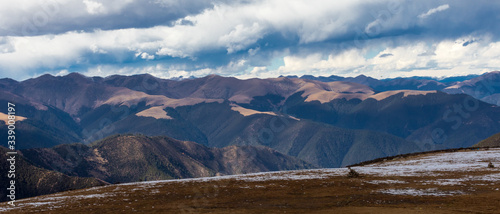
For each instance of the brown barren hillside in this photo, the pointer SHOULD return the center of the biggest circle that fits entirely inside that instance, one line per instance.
(493, 141)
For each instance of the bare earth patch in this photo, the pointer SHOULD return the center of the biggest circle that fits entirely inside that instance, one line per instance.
(156, 112)
(386, 94)
(247, 112)
(5, 117)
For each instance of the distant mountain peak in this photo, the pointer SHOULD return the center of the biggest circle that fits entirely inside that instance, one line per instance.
(9, 80)
(75, 74)
(45, 76)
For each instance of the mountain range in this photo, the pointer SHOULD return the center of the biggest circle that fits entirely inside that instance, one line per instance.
(485, 87)
(114, 129)
(327, 124)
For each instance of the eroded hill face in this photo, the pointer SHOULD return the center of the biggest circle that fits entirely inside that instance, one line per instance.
(446, 182)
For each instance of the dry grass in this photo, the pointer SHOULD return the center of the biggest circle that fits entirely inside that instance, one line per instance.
(316, 191)
(332, 195)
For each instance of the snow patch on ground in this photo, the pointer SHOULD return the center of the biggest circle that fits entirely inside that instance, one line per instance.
(447, 182)
(420, 192)
(52, 200)
(386, 182)
(435, 163)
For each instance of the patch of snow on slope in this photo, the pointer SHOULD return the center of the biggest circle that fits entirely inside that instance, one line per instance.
(420, 192)
(52, 200)
(255, 177)
(434, 163)
(386, 182)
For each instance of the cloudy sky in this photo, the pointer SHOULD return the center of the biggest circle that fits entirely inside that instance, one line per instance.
(172, 38)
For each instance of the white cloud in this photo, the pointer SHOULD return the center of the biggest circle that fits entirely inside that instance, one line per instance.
(94, 7)
(253, 51)
(450, 57)
(144, 55)
(255, 72)
(96, 49)
(165, 71)
(315, 64)
(63, 73)
(241, 37)
(434, 10)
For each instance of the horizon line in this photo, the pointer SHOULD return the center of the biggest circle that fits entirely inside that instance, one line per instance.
(180, 78)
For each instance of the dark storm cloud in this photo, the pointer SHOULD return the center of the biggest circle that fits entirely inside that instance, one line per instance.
(56, 16)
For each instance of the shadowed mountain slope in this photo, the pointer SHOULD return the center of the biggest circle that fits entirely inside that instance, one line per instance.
(32, 180)
(129, 158)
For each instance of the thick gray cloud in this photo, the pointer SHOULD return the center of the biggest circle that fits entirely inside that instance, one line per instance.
(248, 38)
(32, 17)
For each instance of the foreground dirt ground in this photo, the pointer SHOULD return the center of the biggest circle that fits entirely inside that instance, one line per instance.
(460, 182)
